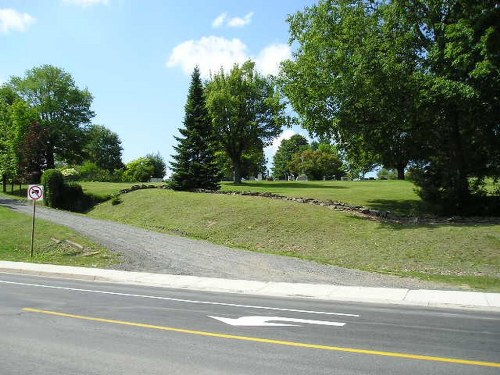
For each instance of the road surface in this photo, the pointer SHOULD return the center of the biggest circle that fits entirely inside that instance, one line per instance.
(54, 326)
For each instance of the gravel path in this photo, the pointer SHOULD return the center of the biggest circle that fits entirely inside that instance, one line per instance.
(148, 251)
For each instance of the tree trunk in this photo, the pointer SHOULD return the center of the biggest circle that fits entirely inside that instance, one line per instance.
(4, 182)
(50, 157)
(237, 171)
(460, 183)
(401, 171)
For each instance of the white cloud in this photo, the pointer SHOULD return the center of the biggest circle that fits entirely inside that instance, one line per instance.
(239, 21)
(11, 19)
(287, 134)
(87, 3)
(209, 53)
(269, 59)
(219, 21)
(213, 52)
(223, 19)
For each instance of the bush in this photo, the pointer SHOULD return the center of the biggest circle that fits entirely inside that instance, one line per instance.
(53, 186)
(70, 174)
(58, 194)
(139, 170)
(387, 174)
(436, 190)
(89, 171)
(74, 199)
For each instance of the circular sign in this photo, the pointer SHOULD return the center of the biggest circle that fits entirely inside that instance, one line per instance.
(35, 192)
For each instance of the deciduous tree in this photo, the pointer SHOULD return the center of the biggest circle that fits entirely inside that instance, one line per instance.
(103, 147)
(63, 109)
(247, 112)
(288, 147)
(404, 81)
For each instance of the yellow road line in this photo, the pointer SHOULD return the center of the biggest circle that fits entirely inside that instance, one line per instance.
(270, 341)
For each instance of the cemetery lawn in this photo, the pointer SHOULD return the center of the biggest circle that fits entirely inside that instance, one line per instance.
(15, 243)
(389, 195)
(464, 254)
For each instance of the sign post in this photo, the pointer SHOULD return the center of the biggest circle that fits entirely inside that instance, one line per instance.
(35, 193)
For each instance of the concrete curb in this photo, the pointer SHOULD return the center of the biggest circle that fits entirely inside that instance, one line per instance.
(395, 296)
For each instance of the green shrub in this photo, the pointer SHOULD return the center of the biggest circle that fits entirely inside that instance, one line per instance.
(116, 200)
(70, 174)
(139, 170)
(74, 199)
(53, 186)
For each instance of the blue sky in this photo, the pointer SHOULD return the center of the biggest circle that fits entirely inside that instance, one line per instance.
(136, 56)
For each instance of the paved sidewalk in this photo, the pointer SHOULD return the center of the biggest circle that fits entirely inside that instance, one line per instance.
(397, 296)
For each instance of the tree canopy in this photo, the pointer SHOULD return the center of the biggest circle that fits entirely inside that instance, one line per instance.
(62, 108)
(403, 82)
(246, 110)
(103, 147)
(288, 147)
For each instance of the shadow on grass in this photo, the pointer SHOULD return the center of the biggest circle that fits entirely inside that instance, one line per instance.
(291, 184)
(428, 224)
(404, 207)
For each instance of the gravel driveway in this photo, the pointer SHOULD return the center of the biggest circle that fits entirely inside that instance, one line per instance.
(148, 251)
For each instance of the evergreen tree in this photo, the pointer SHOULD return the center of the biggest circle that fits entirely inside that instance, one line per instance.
(195, 165)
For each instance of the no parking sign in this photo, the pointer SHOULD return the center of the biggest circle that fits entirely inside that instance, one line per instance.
(35, 192)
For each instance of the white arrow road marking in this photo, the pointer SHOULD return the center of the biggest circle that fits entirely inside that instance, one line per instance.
(264, 321)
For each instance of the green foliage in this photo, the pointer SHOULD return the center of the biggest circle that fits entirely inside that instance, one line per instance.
(59, 194)
(62, 109)
(246, 110)
(387, 174)
(8, 159)
(103, 147)
(319, 164)
(160, 168)
(53, 186)
(74, 199)
(70, 174)
(288, 147)
(253, 162)
(399, 82)
(349, 78)
(195, 165)
(139, 170)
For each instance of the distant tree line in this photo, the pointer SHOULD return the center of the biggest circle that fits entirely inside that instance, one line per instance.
(45, 123)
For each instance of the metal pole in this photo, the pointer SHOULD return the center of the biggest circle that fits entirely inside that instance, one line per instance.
(33, 229)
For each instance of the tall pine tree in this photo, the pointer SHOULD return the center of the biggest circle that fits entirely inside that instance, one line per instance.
(195, 165)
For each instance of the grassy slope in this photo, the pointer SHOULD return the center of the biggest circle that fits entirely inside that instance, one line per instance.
(396, 196)
(15, 240)
(467, 254)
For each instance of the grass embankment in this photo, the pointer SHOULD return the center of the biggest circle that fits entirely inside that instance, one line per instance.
(395, 196)
(467, 254)
(15, 241)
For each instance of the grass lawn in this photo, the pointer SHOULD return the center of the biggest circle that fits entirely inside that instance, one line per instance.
(15, 241)
(100, 190)
(391, 195)
(467, 254)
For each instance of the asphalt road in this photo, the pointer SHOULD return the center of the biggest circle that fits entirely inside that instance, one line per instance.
(54, 326)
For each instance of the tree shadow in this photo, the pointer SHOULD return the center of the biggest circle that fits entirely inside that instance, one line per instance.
(404, 207)
(431, 223)
(291, 184)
